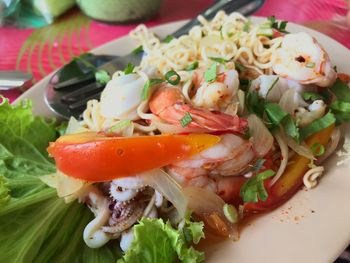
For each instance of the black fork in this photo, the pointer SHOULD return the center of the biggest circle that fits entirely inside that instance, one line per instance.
(72, 86)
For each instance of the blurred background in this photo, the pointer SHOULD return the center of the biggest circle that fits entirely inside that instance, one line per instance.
(39, 36)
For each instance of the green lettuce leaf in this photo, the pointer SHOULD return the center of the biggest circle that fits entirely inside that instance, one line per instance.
(35, 225)
(158, 242)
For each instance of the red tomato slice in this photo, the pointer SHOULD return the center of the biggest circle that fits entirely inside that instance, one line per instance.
(95, 157)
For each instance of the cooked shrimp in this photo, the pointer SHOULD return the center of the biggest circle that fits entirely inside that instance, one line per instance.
(303, 59)
(216, 95)
(168, 103)
(232, 156)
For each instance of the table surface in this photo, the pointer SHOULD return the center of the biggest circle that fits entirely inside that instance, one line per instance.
(40, 51)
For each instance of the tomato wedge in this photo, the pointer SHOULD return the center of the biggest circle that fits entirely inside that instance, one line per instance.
(96, 157)
(292, 179)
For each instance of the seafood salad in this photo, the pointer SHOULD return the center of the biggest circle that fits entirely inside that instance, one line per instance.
(229, 120)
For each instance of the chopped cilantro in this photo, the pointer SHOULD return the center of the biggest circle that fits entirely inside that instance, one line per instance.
(281, 27)
(278, 117)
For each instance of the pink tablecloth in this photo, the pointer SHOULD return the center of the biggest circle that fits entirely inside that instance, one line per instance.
(42, 50)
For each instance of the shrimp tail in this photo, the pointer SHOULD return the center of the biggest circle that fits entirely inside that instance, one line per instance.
(168, 105)
(216, 121)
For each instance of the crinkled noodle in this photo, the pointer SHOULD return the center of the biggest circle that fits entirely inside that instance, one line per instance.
(311, 177)
(222, 37)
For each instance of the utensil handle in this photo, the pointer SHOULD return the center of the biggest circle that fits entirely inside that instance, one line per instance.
(245, 7)
(13, 79)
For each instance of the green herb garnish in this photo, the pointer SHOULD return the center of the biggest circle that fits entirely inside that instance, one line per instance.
(245, 84)
(129, 69)
(137, 50)
(255, 104)
(253, 189)
(340, 106)
(221, 35)
(247, 25)
(172, 77)
(341, 111)
(275, 113)
(281, 27)
(317, 125)
(278, 117)
(317, 149)
(210, 74)
(230, 213)
(120, 125)
(192, 66)
(265, 31)
(341, 90)
(185, 120)
(272, 86)
(168, 39)
(240, 67)
(290, 128)
(102, 77)
(312, 96)
(219, 60)
(146, 88)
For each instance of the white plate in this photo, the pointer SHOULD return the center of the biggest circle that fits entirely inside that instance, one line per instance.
(314, 226)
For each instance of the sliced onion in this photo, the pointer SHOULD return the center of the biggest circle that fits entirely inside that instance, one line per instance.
(332, 145)
(74, 126)
(67, 187)
(300, 149)
(261, 136)
(168, 187)
(284, 154)
(288, 103)
(209, 208)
